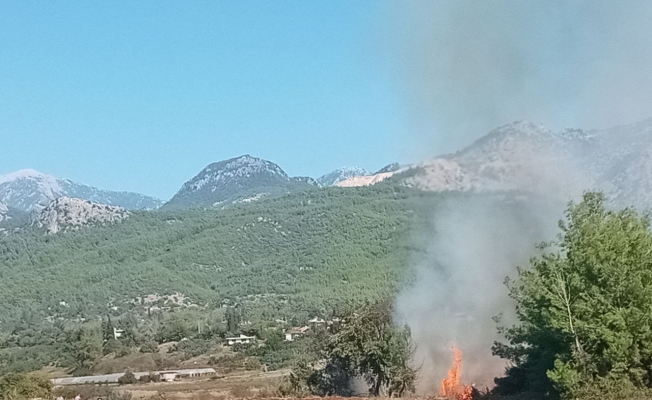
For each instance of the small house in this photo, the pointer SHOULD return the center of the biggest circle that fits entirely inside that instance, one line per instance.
(242, 339)
(293, 333)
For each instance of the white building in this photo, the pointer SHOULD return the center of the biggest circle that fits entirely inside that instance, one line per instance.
(113, 378)
(242, 339)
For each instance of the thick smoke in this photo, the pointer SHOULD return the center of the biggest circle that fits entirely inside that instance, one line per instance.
(474, 243)
(477, 242)
(468, 67)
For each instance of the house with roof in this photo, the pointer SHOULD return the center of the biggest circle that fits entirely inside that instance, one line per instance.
(242, 339)
(295, 332)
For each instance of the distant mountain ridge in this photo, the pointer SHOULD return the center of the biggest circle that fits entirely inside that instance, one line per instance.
(341, 174)
(28, 190)
(525, 156)
(238, 179)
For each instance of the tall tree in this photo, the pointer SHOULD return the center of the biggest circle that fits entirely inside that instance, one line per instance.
(368, 345)
(85, 343)
(584, 306)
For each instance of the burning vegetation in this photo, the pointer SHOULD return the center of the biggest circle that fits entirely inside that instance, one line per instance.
(451, 386)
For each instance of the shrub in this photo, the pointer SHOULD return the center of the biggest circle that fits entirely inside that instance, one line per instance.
(123, 351)
(149, 347)
(192, 348)
(253, 364)
(127, 378)
(24, 386)
(150, 378)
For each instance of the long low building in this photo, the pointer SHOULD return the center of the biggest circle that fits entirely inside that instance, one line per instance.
(113, 378)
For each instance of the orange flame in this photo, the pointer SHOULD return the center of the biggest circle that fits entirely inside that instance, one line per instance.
(451, 386)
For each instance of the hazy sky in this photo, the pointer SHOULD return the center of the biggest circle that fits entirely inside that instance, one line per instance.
(142, 95)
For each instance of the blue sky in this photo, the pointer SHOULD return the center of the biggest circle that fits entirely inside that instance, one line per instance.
(141, 95)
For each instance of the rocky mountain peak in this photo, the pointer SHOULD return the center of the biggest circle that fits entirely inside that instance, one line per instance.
(525, 156)
(66, 213)
(234, 171)
(28, 190)
(341, 174)
(235, 179)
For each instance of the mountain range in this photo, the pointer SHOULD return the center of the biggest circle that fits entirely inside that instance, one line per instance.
(521, 156)
(29, 190)
(524, 156)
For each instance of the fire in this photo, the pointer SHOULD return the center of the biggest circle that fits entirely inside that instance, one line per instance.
(451, 386)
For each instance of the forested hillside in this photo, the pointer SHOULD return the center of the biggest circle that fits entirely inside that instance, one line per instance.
(282, 257)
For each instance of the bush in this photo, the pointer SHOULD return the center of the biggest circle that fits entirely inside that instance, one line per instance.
(149, 347)
(192, 348)
(127, 379)
(111, 346)
(123, 351)
(253, 364)
(150, 378)
(24, 386)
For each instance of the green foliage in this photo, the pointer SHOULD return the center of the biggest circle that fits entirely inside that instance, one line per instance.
(290, 258)
(127, 378)
(85, 345)
(585, 307)
(149, 347)
(21, 386)
(192, 347)
(172, 330)
(368, 345)
(233, 320)
(275, 352)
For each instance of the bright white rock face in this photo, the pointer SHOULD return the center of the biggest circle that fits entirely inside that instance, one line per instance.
(342, 174)
(3, 211)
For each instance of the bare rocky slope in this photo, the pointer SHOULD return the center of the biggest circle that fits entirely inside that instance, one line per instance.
(525, 156)
(67, 213)
(28, 190)
(4, 211)
(341, 174)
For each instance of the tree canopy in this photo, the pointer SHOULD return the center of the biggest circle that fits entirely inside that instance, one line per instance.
(584, 307)
(368, 345)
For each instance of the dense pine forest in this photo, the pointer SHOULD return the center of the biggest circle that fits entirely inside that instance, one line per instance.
(307, 254)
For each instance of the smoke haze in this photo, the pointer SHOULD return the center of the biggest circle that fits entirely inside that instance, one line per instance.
(467, 67)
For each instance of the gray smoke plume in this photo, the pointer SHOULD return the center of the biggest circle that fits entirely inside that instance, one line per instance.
(467, 67)
(477, 242)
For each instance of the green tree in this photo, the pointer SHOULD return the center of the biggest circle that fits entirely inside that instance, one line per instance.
(584, 307)
(86, 346)
(368, 345)
(107, 330)
(232, 320)
(174, 329)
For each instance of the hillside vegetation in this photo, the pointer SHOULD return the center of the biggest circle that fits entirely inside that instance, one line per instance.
(300, 253)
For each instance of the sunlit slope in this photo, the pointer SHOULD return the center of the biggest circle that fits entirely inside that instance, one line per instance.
(298, 254)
